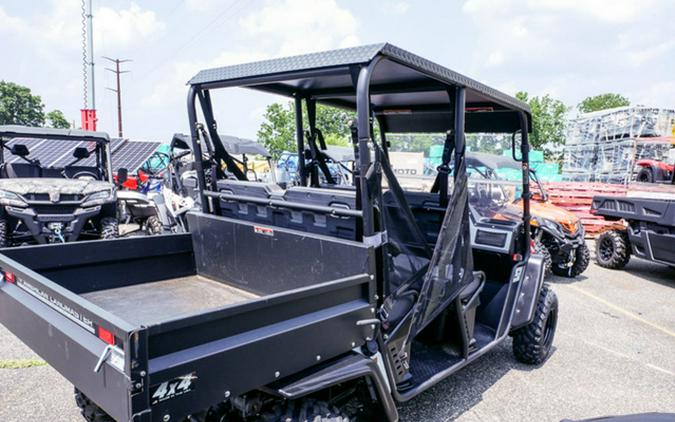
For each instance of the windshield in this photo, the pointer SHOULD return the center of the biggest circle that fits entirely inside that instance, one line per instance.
(30, 157)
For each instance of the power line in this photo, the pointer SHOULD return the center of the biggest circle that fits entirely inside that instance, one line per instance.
(117, 73)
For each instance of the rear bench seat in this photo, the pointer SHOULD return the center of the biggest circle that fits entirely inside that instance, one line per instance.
(292, 218)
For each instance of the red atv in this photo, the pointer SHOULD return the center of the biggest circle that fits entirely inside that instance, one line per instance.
(655, 171)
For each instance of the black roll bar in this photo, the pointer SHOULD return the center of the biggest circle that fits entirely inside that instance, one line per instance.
(300, 140)
(525, 157)
(196, 147)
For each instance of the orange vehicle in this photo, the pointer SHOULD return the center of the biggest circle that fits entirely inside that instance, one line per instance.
(557, 234)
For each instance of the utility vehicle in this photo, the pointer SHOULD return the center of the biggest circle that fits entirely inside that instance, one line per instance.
(307, 303)
(558, 234)
(655, 171)
(56, 185)
(645, 228)
(162, 199)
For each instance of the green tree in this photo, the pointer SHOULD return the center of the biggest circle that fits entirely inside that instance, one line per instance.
(55, 118)
(548, 124)
(18, 106)
(602, 102)
(277, 131)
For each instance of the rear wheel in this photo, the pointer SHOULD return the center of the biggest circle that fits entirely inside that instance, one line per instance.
(645, 175)
(109, 228)
(89, 410)
(532, 343)
(612, 249)
(307, 410)
(153, 226)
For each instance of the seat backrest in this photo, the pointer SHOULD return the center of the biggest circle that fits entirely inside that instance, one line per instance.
(20, 170)
(337, 198)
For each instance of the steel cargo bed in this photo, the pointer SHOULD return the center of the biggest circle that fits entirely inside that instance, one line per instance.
(166, 316)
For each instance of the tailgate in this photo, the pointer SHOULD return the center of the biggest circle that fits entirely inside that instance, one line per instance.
(70, 334)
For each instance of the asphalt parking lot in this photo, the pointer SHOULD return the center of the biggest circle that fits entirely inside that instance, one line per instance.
(614, 354)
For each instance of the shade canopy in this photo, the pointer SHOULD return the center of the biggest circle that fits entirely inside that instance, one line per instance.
(408, 93)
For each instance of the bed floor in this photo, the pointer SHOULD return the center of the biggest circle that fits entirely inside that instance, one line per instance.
(152, 303)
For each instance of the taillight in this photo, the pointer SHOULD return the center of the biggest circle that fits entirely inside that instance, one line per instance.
(533, 248)
(517, 257)
(10, 278)
(106, 336)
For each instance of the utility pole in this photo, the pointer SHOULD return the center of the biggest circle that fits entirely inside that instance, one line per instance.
(88, 114)
(117, 73)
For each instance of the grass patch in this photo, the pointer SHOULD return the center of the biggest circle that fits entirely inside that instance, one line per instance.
(21, 363)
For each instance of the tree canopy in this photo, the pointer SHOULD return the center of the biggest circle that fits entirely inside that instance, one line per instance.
(55, 118)
(548, 124)
(18, 106)
(277, 131)
(602, 102)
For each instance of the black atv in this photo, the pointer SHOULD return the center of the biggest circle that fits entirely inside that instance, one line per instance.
(56, 185)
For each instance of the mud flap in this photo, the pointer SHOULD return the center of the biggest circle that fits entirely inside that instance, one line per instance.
(533, 279)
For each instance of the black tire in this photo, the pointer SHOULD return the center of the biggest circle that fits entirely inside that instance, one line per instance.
(153, 226)
(612, 249)
(4, 234)
(109, 228)
(532, 343)
(645, 175)
(307, 410)
(89, 410)
(582, 257)
(540, 249)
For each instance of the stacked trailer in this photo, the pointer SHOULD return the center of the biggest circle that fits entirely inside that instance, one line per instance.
(610, 146)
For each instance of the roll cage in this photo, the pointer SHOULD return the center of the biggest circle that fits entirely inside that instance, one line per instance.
(402, 91)
(101, 139)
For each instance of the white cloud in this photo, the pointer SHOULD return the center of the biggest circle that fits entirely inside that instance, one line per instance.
(201, 5)
(11, 24)
(301, 26)
(119, 28)
(398, 7)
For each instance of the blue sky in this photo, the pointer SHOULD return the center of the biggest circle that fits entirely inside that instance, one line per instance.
(566, 48)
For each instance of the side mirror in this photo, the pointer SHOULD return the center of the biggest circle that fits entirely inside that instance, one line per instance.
(81, 153)
(20, 150)
(122, 175)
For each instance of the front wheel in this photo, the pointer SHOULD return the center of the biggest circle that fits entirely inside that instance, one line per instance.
(582, 257)
(645, 175)
(4, 233)
(532, 343)
(109, 228)
(612, 249)
(303, 410)
(540, 248)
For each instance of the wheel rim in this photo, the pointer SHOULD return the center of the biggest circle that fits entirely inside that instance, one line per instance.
(606, 249)
(549, 329)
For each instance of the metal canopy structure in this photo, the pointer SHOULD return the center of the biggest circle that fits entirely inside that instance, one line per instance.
(402, 85)
(399, 90)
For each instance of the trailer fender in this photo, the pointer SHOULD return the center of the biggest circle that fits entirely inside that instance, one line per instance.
(533, 279)
(349, 368)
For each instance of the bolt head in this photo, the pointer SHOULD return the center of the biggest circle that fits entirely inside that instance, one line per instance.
(227, 394)
(318, 357)
(143, 373)
(166, 418)
(277, 374)
(353, 344)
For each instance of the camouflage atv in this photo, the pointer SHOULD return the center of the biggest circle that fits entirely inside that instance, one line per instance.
(56, 185)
